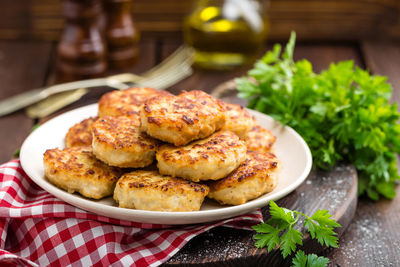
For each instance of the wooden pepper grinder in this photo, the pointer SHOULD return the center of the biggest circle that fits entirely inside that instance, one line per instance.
(121, 34)
(81, 50)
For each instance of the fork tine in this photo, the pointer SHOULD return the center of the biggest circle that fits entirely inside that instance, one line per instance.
(166, 67)
(165, 62)
(178, 56)
(166, 79)
(170, 80)
(162, 74)
(183, 62)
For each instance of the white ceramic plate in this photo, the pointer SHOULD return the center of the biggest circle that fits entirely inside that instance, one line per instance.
(290, 148)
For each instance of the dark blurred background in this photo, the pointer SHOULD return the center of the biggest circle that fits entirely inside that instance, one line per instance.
(311, 19)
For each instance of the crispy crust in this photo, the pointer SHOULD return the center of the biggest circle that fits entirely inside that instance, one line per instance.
(80, 134)
(260, 139)
(238, 120)
(119, 142)
(256, 176)
(76, 169)
(208, 159)
(126, 102)
(149, 190)
(181, 119)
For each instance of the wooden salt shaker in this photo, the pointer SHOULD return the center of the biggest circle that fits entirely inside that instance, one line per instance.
(81, 50)
(121, 34)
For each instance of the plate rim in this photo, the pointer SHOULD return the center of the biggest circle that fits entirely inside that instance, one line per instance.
(226, 212)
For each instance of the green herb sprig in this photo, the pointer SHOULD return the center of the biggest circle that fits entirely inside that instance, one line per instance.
(310, 260)
(343, 113)
(279, 233)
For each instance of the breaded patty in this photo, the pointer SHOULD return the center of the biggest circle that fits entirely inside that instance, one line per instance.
(238, 120)
(126, 102)
(76, 169)
(149, 190)
(254, 177)
(80, 134)
(181, 119)
(260, 139)
(119, 142)
(209, 159)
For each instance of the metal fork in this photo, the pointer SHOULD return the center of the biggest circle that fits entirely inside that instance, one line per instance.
(173, 69)
(163, 75)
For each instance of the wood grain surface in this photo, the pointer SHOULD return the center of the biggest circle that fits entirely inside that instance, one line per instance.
(23, 66)
(320, 55)
(373, 239)
(312, 19)
(383, 58)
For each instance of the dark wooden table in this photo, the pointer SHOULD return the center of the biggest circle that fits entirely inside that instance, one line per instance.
(372, 239)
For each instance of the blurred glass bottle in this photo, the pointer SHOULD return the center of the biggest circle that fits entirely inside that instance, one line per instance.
(226, 33)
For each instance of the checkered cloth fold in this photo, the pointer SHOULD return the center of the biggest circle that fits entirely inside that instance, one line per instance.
(38, 229)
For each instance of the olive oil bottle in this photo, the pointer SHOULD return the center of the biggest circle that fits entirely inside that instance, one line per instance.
(226, 33)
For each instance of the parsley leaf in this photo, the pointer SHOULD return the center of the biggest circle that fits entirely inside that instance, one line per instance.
(279, 232)
(269, 236)
(35, 126)
(289, 240)
(321, 227)
(310, 260)
(282, 214)
(16, 153)
(343, 113)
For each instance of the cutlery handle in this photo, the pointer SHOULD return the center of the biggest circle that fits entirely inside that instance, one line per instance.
(17, 102)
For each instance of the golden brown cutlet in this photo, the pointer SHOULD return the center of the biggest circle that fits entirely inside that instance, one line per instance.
(76, 169)
(80, 134)
(257, 175)
(149, 190)
(126, 102)
(209, 159)
(119, 142)
(238, 120)
(181, 119)
(260, 139)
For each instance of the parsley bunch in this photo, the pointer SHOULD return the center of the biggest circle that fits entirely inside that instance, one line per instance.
(279, 232)
(343, 113)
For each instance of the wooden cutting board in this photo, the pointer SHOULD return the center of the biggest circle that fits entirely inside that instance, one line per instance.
(334, 190)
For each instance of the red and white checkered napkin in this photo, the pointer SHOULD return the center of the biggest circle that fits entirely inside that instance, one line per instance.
(38, 229)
